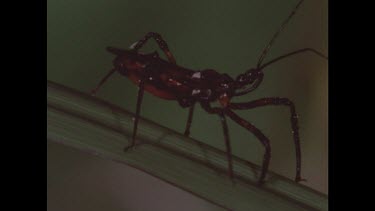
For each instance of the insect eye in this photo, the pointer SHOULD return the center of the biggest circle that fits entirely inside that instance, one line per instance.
(253, 75)
(241, 78)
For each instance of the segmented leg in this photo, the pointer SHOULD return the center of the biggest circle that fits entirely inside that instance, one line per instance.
(261, 137)
(227, 143)
(162, 44)
(220, 112)
(293, 119)
(93, 92)
(189, 121)
(137, 112)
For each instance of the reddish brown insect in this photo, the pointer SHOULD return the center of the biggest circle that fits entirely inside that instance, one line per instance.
(169, 81)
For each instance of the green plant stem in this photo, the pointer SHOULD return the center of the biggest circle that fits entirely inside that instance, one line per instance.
(81, 121)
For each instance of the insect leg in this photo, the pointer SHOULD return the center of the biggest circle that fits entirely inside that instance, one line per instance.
(190, 119)
(93, 92)
(227, 143)
(138, 109)
(220, 112)
(261, 137)
(162, 44)
(293, 119)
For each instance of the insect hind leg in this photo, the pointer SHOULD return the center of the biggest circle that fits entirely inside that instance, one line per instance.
(159, 40)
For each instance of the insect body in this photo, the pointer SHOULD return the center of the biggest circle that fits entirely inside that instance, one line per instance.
(167, 80)
(170, 81)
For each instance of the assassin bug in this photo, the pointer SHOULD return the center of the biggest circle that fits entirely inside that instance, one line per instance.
(167, 80)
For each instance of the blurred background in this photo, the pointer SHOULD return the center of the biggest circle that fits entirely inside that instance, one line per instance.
(227, 36)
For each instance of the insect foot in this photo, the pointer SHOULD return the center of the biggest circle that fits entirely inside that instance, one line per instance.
(299, 179)
(131, 147)
(93, 92)
(261, 182)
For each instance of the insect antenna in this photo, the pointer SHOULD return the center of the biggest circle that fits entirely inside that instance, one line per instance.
(293, 53)
(267, 48)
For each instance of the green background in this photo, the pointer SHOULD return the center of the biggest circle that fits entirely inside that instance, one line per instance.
(224, 35)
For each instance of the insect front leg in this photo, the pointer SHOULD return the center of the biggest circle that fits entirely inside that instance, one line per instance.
(162, 44)
(293, 119)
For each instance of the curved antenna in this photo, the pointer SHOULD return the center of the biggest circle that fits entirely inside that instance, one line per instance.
(267, 48)
(291, 54)
(259, 80)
